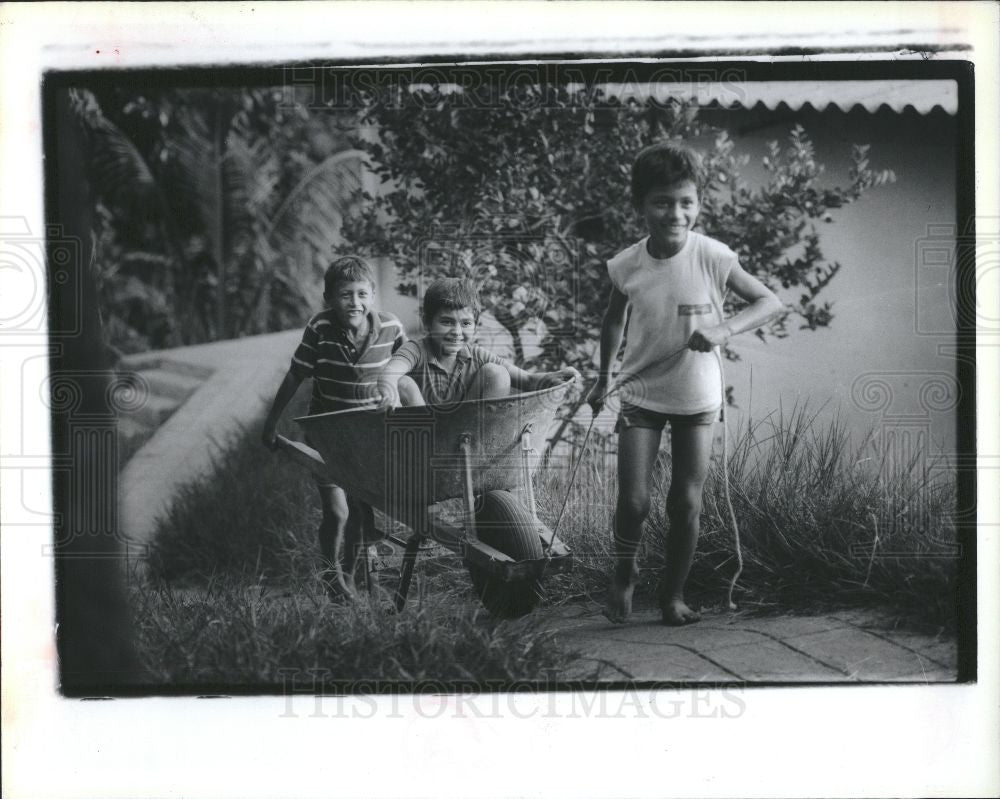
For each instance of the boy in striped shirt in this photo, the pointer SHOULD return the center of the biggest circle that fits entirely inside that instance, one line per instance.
(343, 350)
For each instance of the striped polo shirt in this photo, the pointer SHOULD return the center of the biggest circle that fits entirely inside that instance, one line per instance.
(345, 376)
(437, 385)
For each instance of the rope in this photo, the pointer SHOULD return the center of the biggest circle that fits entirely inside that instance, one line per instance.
(583, 450)
(572, 478)
(725, 482)
(720, 309)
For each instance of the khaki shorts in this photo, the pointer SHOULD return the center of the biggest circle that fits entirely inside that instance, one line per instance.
(634, 416)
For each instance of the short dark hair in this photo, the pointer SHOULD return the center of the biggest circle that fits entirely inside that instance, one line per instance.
(348, 269)
(663, 164)
(450, 294)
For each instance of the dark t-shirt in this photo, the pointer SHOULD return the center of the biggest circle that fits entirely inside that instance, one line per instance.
(437, 385)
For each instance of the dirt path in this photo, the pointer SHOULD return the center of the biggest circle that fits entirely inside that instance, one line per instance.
(723, 647)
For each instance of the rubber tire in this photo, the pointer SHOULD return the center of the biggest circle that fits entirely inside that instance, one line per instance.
(505, 524)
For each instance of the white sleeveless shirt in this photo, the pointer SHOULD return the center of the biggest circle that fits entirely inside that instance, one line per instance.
(670, 298)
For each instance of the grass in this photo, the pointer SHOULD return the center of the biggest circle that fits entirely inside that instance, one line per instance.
(232, 633)
(256, 516)
(233, 593)
(824, 524)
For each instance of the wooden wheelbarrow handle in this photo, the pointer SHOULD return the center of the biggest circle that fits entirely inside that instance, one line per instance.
(303, 455)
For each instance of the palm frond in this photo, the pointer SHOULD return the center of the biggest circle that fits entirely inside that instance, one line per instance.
(321, 199)
(116, 166)
(251, 174)
(197, 164)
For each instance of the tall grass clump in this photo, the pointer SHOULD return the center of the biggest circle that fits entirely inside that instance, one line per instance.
(253, 514)
(232, 633)
(824, 523)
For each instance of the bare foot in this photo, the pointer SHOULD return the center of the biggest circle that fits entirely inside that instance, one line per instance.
(677, 613)
(337, 587)
(619, 603)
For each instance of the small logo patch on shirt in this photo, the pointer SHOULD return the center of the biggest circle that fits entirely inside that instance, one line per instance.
(694, 310)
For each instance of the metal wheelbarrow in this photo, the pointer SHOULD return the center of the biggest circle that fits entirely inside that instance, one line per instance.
(408, 462)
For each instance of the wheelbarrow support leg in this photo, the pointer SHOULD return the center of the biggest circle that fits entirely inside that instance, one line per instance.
(406, 573)
(465, 444)
(526, 452)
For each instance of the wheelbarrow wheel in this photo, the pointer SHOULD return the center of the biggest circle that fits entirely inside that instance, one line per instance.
(505, 524)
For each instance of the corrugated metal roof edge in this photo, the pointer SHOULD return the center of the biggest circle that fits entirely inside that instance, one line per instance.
(870, 108)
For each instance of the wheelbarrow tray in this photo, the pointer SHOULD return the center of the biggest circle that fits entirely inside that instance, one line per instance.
(374, 455)
(408, 462)
(445, 524)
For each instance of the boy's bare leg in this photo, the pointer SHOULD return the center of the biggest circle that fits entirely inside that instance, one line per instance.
(336, 513)
(637, 449)
(361, 518)
(691, 452)
(409, 392)
(492, 381)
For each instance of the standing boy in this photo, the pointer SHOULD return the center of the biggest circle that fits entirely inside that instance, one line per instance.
(446, 365)
(674, 281)
(343, 349)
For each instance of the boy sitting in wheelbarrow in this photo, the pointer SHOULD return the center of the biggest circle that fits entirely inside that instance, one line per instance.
(343, 349)
(446, 365)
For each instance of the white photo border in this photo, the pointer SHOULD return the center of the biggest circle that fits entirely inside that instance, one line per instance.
(866, 740)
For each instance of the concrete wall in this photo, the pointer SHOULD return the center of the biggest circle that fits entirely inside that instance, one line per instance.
(893, 311)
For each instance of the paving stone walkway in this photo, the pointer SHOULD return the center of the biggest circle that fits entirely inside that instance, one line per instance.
(723, 647)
